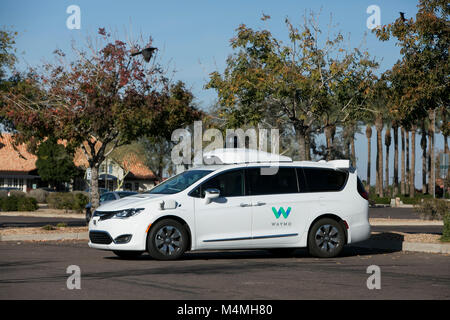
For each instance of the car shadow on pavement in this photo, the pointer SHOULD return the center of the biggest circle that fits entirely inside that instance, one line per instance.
(348, 251)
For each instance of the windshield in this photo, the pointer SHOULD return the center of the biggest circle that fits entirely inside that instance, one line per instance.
(179, 182)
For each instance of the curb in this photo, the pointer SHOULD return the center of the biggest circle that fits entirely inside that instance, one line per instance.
(45, 237)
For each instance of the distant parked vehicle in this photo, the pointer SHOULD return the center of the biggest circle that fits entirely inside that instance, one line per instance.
(107, 197)
(100, 190)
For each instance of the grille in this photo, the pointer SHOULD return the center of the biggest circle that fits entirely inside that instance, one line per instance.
(100, 237)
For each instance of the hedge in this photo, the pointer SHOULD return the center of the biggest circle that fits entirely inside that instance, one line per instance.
(14, 203)
(68, 200)
(433, 209)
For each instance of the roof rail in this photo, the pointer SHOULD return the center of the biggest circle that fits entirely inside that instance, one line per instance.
(241, 155)
(341, 164)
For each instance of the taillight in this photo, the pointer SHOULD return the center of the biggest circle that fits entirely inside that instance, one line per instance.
(365, 195)
(362, 192)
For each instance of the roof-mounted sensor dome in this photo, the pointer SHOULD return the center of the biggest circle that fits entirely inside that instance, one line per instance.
(241, 155)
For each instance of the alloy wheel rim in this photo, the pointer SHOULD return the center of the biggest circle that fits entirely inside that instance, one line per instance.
(168, 240)
(327, 238)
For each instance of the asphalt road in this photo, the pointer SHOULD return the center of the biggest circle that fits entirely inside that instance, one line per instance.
(38, 271)
(29, 222)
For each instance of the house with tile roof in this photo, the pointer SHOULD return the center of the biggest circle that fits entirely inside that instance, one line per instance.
(18, 170)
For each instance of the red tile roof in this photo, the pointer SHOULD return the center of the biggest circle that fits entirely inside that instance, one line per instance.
(23, 161)
(16, 159)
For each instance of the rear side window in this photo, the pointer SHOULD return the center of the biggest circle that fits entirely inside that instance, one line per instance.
(284, 181)
(324, 180)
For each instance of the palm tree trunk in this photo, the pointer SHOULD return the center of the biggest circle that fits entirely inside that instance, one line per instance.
(308, 146)
(423, 145)
(369, 147)
(395, 128)
(300, 133)
(328, 135)
(412, 178)
(379, 127)
(387, 143)
(352, 143)
(432, 169)
(407, 173)
(402, 183)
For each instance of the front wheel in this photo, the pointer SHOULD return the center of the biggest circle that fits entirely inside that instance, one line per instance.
(326, 238)
(167, 240)
(88, 216)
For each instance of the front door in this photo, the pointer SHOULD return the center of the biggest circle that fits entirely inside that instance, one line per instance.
(225, 222)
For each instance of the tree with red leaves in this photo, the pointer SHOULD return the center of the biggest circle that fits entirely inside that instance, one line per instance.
(102, 100)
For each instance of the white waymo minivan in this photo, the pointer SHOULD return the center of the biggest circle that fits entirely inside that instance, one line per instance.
(252, 200)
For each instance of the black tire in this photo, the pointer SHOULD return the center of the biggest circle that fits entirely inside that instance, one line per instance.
(88, 215)
(326, 238)
(167, 240)
(282, 252)
(128, 254)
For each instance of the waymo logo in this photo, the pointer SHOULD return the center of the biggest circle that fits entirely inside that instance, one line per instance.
(281, 211)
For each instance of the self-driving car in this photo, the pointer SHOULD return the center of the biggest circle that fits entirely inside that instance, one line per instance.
(245, 199)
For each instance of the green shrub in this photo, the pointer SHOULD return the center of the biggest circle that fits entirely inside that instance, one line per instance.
(446, 228)
(39, 194)
(9, 203)
(26, 204)
(67, 200)
(3, 194)
(48, 227)
(61, 225)
(373, 198)
(14, 203)
(433, 209)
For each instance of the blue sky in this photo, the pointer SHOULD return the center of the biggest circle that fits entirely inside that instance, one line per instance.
(193, 36)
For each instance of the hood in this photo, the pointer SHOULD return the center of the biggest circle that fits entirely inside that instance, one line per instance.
(136, 201)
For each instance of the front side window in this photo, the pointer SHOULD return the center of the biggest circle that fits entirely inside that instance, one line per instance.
(284, 181)
(179, 182)
(324, 180)
(230, 184)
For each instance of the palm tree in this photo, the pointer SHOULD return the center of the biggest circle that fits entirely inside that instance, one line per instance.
(412, 178)
(395, 131)
(369, 146)
(387, 143)
(432, 162)
(407, 173)
(379, 128)
(402, 183)
(423, 145)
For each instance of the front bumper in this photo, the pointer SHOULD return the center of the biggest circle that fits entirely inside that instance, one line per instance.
(101, 230)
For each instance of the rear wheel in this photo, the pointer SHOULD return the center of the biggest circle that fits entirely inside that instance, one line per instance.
(128, 254)
(326, 238)
(167, 240)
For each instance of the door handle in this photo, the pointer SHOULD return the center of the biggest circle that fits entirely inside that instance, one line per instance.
(258, 204)
(245, 205)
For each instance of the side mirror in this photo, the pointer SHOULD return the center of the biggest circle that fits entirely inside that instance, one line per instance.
(211, 194)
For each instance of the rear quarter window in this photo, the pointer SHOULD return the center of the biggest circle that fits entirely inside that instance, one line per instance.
(324, 180)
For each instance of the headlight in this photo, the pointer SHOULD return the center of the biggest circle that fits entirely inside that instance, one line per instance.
(127, 213)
